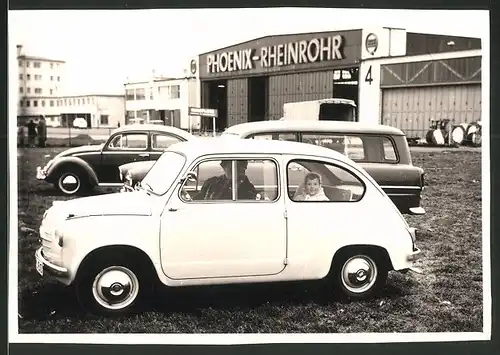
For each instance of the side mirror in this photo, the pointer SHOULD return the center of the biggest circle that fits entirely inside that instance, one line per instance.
(191, 176)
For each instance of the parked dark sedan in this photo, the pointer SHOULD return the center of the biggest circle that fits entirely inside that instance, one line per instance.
(382, 151)
(81, 168)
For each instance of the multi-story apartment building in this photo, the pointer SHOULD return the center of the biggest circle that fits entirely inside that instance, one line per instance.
(163, 99)
(40, 83)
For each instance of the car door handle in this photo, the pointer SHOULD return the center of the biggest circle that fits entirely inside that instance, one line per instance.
(172, 209)
(144, 155)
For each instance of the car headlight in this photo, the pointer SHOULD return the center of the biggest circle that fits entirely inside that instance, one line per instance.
(58, 235)
(128, 178)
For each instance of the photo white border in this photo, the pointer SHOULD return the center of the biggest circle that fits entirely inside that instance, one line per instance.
(228, 339)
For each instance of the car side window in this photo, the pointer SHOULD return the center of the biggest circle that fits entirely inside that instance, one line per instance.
(257, 180)
(389, 150)
(351, 146)
(129, 141)
(291, 137)
(316, 181)
(162, 141)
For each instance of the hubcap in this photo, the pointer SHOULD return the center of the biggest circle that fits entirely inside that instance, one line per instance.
(115, 287)
(69, 183)
(359, 274)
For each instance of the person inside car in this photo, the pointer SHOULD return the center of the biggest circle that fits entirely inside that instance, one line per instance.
(219, 187)
(310, 189)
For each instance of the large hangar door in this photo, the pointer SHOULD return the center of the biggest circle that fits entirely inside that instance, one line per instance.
(411, 109)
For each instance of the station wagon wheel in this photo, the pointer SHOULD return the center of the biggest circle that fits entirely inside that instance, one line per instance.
(359, 274)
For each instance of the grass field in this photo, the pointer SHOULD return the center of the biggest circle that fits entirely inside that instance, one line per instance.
(447, 297)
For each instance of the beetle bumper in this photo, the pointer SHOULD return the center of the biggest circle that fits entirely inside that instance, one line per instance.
(40, 173)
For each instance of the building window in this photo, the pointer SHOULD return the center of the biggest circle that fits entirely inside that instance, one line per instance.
(51, 66)
(43, 103)
(28, 64)
(175, 92)
(51, 91)
(28, 90)
(139, 94)
(27, 103)
(65, 102)
(88, 100)
(20, 63)
(38, 91)
(21, 103)
(151, 93)
(36, 64)
(38, 77)
(129, 94)
(51, 103)
(35, 103)
(28, 76)
(78, 101)
(104, 119)
(51, 78)
(21, 90)
(58, 78)
(21, 77)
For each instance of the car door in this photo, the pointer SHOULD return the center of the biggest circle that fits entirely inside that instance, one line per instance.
(225, 237)
(325, 219)
(161, 141)
(124, 147)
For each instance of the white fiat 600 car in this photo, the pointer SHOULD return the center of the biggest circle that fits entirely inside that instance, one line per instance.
(217, 212)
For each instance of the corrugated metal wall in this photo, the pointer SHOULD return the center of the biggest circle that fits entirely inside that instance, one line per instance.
(412, 109)
(237, 101)
(298, 87)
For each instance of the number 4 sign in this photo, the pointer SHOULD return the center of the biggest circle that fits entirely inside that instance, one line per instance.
(369, 92)
(368, 76)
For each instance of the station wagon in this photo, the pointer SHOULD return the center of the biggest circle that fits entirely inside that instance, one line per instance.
(381, 150)
(333, 223)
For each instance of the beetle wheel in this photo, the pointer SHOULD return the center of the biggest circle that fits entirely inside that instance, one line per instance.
(69, 183)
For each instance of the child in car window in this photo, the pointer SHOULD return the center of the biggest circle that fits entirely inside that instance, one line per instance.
(310, 189)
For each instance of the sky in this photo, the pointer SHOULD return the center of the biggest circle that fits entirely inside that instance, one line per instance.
(104, 49)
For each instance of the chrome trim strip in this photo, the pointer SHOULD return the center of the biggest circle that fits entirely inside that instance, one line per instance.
(401, 187)
(110, 184)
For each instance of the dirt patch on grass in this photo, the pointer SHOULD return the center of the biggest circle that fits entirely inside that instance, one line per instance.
(446, 298)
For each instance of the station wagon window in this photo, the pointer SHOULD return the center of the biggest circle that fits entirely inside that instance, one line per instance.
(163, 141)
(292, 137)
(389, 151)
(129, 141)
(316, 181)
(258, 181)
(350, 146)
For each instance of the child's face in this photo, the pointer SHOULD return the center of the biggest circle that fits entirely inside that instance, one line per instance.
(312, 186)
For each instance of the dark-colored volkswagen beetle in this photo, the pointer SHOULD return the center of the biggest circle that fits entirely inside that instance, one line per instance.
(381, 150)
(82, 168)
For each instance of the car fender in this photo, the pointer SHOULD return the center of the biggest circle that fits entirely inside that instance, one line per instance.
(64, 161)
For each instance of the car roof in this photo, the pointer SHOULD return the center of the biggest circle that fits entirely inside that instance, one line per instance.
(155, 128)
(310, 125)
(219, 145)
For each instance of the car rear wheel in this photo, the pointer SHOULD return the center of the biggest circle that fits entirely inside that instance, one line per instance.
(359, 274)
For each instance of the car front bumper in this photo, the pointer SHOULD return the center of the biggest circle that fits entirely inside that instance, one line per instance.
(46, 268)
(40, 173)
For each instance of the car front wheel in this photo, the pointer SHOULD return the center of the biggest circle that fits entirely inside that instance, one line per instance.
(110, 289)
(70, 183)
(359, 275)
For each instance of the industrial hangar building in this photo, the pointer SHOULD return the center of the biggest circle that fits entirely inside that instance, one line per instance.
(395, 77)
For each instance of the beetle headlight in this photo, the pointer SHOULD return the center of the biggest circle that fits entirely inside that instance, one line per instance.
(128, 178)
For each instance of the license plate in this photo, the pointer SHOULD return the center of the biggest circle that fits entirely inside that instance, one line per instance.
(39, 267)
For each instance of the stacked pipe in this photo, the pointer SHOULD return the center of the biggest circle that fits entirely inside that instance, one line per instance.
(443, 132)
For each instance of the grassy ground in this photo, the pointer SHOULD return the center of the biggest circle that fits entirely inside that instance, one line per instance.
(446, 298)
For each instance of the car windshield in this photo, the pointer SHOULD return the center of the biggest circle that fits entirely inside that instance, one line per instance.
(163, 173)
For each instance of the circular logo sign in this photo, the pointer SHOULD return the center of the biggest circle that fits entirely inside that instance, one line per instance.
(193, 66)
(371, 43)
